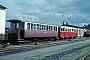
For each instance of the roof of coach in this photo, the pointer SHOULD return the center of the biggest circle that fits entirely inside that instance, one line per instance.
(72, 26)
(17, 20)
(3, 7)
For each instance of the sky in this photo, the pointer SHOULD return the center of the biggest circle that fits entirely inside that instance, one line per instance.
(75, 12)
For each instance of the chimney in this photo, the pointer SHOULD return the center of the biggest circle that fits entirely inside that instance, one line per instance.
(66, 23)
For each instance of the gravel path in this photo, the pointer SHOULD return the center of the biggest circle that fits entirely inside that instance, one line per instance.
(21, 56)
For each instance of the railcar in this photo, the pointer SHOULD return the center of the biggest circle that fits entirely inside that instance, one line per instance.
(66, 31)
(31, 30)
(70, 31)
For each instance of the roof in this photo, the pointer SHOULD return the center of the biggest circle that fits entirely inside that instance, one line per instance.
(71, 26)
(17, 21)
(2, 7)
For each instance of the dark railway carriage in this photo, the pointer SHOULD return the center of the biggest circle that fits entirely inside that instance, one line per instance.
(86, 34)
(31, 31)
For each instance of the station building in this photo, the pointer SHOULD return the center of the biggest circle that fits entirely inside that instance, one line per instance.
(2, 19)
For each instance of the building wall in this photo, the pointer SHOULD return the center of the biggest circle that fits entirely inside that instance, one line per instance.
(2, 21)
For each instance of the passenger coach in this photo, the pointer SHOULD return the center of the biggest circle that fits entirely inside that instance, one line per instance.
(31, 30)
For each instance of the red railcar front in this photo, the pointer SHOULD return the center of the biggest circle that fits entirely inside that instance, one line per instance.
(68, 34)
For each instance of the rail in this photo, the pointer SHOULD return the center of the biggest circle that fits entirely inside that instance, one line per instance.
(84, 57)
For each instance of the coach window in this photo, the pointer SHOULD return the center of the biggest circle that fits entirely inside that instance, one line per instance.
(51, 28)
(16, 26)
(41, 27)
(61, 29)
(75, 30)
(44, 27)
(72, 30)
(38, 26)
(56, 28)
(65, 29)
(31, 26)
(47, 28)
(68, 30)
(34, 26)
(28, 26)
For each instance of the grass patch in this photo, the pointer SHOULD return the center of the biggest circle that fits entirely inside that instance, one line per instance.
(39, 57)
(88, 57)
(75, 53)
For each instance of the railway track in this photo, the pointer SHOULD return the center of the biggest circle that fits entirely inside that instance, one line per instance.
(61, 54)
(13, 50)
(85, 57)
